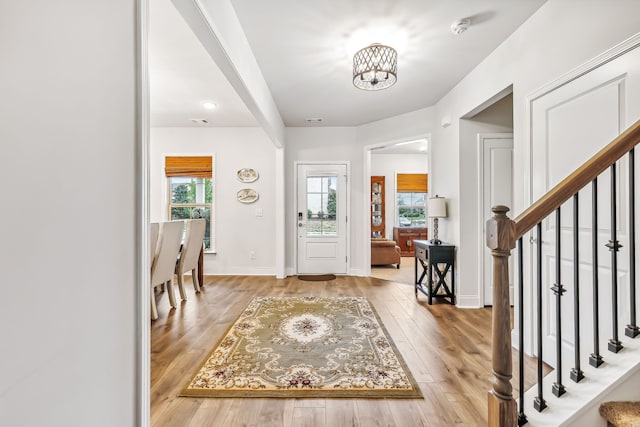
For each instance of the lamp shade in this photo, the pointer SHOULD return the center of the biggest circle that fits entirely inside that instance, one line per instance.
(437, 207)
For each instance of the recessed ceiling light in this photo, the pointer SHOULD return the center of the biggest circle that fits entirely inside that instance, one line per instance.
(208, 105)
(423, 148)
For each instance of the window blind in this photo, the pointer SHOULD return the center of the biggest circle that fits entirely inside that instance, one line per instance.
(194, 166)
(411, 183)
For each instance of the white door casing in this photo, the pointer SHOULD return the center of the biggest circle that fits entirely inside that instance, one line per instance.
(568, 126)
(495, 187)
(322, 235)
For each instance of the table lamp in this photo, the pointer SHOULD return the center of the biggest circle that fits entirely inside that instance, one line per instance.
(436, 208)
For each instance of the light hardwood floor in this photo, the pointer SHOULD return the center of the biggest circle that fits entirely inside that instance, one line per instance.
(405, 274)
(447, 350)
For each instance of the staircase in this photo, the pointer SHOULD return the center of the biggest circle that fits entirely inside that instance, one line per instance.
(581, 380)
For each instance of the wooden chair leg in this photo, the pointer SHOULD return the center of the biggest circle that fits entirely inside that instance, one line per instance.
(183, 295)
(196, 282)
(172, 297)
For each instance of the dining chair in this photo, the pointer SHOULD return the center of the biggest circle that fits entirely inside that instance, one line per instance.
(163, 267)
(190, 253)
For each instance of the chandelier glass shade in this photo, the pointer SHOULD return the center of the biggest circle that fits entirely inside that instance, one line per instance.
(375, 67)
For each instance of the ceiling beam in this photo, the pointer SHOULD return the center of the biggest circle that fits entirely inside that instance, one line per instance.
(222, 36)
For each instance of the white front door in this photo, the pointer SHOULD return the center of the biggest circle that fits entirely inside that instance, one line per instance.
(569, 125)
(321, 218)
(496, 183)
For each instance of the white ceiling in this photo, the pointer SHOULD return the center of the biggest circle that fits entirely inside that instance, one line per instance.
(304, 50)
(182, 75)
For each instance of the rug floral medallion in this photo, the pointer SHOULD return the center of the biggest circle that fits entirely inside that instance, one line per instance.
(305, 347)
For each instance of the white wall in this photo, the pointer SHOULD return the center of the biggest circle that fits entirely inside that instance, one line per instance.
(560, 36)
(412, 125)
(388, 165)
(330, 144)
(346, 144)
(68, 222)
(498, 118)
(237, 228)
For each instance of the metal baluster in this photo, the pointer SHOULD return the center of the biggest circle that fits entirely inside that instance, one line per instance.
(522, 418)
(557, 388)
(614, 246)
(595, 359)
(576, 373)
(632, 329)
(538, 403)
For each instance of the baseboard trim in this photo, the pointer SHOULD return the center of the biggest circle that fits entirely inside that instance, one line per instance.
(243, 271)
(470, 301)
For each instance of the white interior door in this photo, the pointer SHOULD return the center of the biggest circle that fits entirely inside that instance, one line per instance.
(569, 125)
(496, 183)
(321, 218)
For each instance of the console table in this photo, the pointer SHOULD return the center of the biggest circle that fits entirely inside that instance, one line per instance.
(438, 259)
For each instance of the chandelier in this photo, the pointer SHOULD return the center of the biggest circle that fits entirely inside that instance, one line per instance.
(375, 67)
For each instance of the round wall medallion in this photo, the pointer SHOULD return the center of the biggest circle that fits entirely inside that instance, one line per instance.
(247, 195)
(247, 175)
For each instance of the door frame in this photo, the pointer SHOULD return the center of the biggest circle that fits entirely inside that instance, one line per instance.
(294, 208)
(366, 195)
(482, 244)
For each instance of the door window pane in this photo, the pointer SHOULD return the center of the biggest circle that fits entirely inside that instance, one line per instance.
(321, 206)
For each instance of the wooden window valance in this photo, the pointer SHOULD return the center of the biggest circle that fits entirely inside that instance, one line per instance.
(412, 183)
(194, 166)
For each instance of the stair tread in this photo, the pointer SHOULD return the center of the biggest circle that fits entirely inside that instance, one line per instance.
(621, 414)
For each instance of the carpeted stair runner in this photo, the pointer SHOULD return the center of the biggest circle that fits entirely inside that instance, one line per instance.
(621, 414)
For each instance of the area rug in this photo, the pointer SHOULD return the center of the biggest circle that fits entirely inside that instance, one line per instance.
(317, 277)
(305, 347)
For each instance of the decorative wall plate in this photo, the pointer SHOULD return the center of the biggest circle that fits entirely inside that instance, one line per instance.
(247, 195)
(247, 175)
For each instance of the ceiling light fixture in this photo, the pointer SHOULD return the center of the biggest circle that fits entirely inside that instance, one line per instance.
(375, 67)
(208, 105)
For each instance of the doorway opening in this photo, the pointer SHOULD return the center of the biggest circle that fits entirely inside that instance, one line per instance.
(486, 175)
(387, 210)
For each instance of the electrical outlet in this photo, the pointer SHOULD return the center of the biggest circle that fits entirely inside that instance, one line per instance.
(252, 254)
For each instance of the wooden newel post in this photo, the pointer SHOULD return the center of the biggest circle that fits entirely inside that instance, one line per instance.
(501, 239)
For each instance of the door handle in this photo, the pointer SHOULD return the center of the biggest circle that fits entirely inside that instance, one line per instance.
(533, 240)
(301, 224)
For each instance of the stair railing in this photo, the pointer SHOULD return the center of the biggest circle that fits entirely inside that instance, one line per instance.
(503, 234)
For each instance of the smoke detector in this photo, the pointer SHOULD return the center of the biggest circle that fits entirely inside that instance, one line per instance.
(460, 26)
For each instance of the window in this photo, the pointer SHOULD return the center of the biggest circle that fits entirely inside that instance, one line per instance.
(412, 209)
(321, 205)
(411, 199)
(190, 186)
